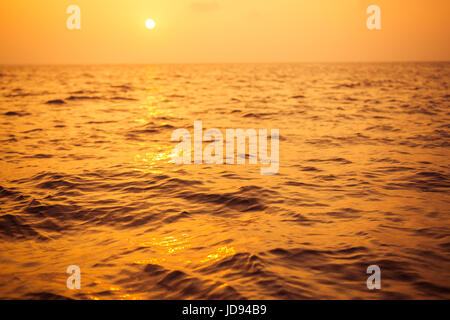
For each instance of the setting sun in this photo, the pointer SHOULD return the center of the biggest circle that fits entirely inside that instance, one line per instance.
(149, 24)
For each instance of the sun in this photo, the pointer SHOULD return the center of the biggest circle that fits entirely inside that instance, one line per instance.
(149, 24)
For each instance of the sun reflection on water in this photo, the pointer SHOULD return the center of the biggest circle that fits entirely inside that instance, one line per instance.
(152, 161)
(219, 254)
(169, 244)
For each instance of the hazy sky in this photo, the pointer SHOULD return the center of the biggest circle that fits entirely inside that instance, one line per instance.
(113, 31)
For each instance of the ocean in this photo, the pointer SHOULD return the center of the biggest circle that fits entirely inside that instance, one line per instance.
(87, 179)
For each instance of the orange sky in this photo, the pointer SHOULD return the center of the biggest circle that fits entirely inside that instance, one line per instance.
(114, 31)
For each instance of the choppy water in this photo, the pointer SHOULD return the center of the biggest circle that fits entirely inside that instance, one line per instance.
(86, 179)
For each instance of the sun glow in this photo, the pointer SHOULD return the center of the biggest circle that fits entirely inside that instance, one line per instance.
(150, 24)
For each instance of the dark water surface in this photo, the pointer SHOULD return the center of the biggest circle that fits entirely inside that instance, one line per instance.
(86, 179)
